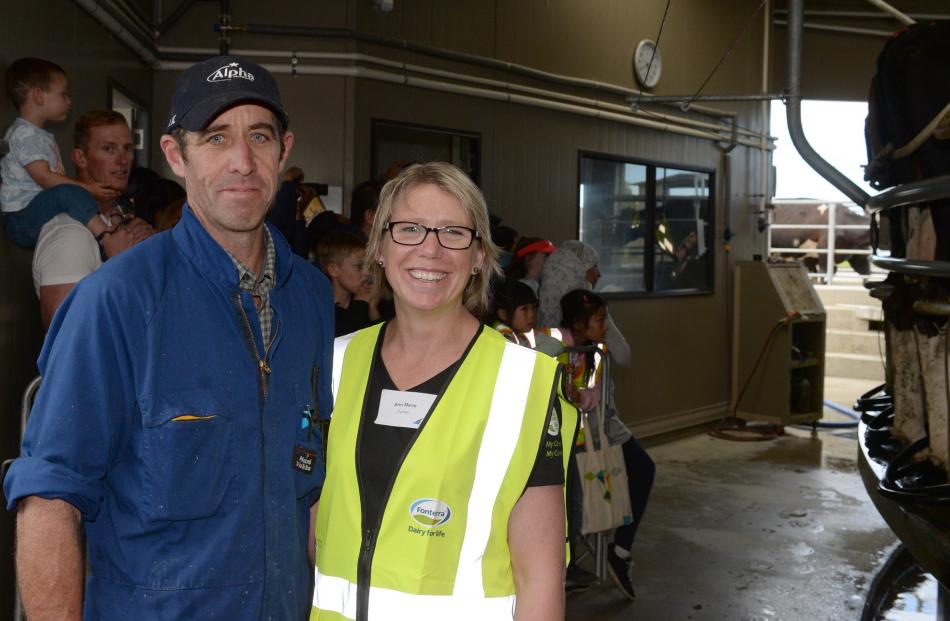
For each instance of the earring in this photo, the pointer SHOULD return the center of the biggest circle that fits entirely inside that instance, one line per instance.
(476, 270)
(380, 263)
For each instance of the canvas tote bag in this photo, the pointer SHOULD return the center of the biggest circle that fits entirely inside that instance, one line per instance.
(603, 482)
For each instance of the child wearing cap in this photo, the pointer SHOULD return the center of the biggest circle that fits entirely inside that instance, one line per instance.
(528, 261)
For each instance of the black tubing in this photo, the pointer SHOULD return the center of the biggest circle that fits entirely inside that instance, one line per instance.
(931, 494)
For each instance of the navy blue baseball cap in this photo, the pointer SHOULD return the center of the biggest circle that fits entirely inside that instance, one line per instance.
(206, 89)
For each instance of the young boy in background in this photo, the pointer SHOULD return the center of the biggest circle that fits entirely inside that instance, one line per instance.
(341, 254)
(35, 187)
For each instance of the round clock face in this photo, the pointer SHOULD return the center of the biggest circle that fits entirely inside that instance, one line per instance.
(646, 50)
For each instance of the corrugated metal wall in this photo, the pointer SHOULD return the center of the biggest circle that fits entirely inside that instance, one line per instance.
(529, 155)
(529, 176)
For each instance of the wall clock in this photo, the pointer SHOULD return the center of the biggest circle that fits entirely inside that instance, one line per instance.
(646, 50)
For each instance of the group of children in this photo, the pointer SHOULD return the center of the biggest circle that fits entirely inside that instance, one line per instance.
(584, 322)
(35, 187)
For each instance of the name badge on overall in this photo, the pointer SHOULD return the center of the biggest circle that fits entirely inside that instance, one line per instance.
(402, 408)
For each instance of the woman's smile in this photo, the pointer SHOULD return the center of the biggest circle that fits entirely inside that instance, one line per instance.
(427, 276)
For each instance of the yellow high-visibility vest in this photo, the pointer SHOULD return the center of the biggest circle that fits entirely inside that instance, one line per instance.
(440, 550)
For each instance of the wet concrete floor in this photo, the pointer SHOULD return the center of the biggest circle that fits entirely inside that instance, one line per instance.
(748, 531)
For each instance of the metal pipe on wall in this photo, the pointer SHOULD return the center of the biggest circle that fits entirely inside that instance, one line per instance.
(685, 98)
(793, 78)
(492, 63)
(839, 29)
(893, 12)
(174, 16)
(224, 37)
(765, 112)
(924, 17)
(725, 166)
(126, 36)
(471, 91)
(131, 16)
(190, 53)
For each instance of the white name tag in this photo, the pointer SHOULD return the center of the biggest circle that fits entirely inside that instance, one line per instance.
(399, 408)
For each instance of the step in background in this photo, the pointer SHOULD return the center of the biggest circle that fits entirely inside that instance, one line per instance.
(852, 348)
(866, 342)
(857, 366)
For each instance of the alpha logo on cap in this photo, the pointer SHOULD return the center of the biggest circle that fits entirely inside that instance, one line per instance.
(230, 71)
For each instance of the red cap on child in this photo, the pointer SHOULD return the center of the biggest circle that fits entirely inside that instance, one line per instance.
(542, 245)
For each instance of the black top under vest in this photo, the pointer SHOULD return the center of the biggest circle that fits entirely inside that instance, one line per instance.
(381, 447)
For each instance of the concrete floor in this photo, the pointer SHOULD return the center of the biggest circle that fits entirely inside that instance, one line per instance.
(748, 531)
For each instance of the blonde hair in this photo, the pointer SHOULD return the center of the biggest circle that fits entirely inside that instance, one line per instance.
(453, 181)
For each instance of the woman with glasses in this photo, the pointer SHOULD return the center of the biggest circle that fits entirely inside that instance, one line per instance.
(444, 493)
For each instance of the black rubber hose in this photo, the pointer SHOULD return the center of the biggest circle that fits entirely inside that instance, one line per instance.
(889, 486)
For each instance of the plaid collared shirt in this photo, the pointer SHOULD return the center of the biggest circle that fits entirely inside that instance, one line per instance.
(260, 287)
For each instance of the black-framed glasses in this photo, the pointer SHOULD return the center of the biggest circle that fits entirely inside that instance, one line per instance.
(452, 237)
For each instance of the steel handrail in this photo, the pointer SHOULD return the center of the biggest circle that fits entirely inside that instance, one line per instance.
(906, 195)
(913, 267)
(26, 403)
(911, 193)
(932, 308)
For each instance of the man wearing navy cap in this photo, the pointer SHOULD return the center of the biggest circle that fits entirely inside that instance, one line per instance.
(178, 424)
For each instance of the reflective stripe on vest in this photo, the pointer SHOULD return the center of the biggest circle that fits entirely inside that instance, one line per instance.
(332, 594)
(506, 439)
(554, 333)
(501, 432)
(340, 344)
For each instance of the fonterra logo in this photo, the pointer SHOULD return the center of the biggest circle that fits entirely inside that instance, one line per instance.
(230, 71)
(430, 512)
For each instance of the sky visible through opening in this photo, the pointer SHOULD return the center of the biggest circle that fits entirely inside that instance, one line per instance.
(835, 129)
